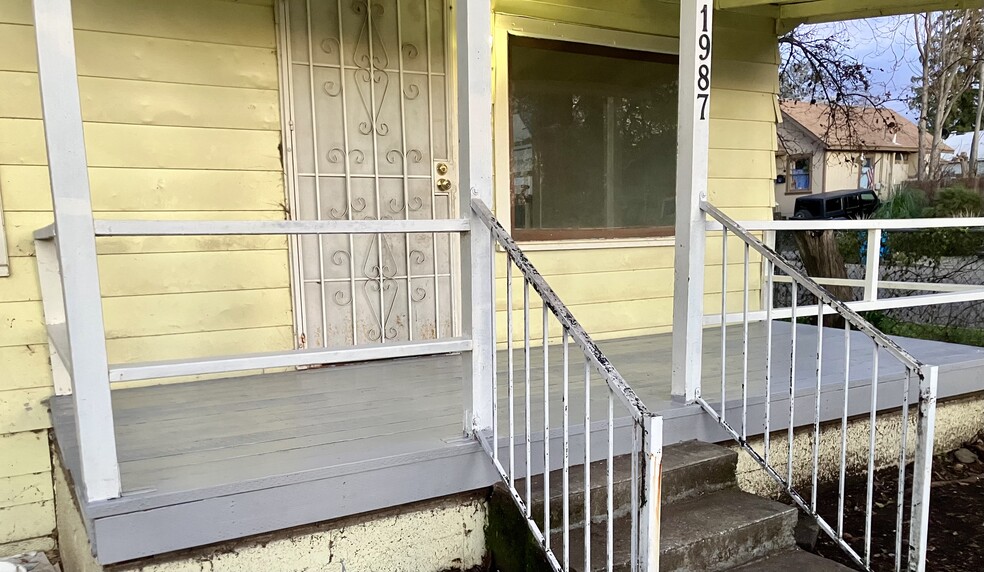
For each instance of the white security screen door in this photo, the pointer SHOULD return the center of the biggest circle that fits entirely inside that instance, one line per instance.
(370, 137)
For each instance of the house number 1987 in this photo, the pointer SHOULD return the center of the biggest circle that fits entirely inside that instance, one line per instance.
(704, 70)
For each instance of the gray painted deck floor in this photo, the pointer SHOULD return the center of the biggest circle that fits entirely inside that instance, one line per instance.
(366, 436)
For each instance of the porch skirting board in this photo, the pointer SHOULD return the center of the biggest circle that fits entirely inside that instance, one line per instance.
(440, 534)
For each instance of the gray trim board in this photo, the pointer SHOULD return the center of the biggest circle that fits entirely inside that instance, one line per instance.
(168, 528)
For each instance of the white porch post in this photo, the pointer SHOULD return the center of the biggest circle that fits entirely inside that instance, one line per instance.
(76, 248)
(691, 188)
(474, 50)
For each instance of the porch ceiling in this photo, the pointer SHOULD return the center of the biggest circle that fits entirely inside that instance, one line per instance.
(795, 12)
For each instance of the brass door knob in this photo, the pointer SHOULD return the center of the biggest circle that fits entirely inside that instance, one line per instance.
(442, 169)
(444, 185)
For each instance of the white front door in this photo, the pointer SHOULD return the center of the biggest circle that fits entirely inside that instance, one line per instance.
(370, 136)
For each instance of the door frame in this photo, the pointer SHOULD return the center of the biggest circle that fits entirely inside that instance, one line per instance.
(289, 160)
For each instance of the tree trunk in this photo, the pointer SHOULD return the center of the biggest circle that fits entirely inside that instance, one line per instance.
(923, 39)
(976, 140)
(822, 259)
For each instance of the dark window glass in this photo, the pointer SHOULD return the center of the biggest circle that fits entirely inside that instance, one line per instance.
(593, 151)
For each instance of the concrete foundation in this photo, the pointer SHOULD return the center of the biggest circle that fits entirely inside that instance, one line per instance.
(957, 421)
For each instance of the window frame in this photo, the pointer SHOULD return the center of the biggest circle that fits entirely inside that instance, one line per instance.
(4, 253)
(790, 161)
(509, 25)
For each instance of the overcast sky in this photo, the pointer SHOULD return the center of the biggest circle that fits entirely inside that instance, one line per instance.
(886, 46)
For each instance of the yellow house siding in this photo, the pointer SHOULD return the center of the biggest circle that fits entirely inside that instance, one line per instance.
(26, 505)
(625, 291)
(841, 170)
(182, 121)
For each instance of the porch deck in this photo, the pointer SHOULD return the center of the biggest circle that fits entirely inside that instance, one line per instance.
(217, 460)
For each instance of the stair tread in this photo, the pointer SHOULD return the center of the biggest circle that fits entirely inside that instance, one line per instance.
(708, 517)
(715, 514)
(688, 453)
(795, 559)
(676, 459)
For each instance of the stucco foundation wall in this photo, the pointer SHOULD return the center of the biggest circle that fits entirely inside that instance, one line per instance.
(957, 421)
(436, 536)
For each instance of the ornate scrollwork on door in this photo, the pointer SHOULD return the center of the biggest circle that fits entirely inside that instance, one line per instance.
(372, 115)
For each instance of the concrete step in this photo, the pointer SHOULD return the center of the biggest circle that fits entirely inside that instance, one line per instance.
(690, 469)
(796, 560)
(714, 532)
(721, 530)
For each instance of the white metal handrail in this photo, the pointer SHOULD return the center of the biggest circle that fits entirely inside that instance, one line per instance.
(646, 448)
(924, 375)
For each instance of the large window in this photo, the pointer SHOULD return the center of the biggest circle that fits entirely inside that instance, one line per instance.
(593, 140)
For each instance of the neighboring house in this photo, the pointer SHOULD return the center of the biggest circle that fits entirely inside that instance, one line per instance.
(280, 185)
(958, 157)
(864, 148)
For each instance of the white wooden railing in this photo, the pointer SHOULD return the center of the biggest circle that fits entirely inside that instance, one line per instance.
(871, 283)
(916, 387)
(99, 455)
(646, 435)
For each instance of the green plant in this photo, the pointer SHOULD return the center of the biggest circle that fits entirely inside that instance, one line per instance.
(904, 202)
(956, 335)
(956, 202)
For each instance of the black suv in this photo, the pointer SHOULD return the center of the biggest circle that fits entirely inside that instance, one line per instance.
(858, 203)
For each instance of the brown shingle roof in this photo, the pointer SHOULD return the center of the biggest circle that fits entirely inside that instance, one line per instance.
(854, 128)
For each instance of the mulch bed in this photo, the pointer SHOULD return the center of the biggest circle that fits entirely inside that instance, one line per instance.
(956, 519)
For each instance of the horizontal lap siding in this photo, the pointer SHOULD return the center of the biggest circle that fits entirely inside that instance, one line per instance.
(182, 121)
(617, 292)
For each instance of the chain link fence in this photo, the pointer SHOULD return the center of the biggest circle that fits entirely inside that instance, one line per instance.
(933, 256)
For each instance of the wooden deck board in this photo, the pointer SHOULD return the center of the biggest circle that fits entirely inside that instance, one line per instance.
(186, 444)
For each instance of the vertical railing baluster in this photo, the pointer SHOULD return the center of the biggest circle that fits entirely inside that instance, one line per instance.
(770, 269)
(744, 351)
(495, 357)
(652, 455)
(922, 467)
(816, 413)
(567, 456)
(509, 375)
(792, 389)
(646, 429)
(842, 478)
(634, 495)
(610, 478)
(915, 560)
(526, 389)
(871, 456)
(546, 426)
(900, 500)
(724, 324)
(587, 464)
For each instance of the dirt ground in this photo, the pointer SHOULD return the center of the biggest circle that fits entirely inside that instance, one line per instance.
(956, 521)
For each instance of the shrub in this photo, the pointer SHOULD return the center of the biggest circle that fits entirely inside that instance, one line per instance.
(956, 202)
